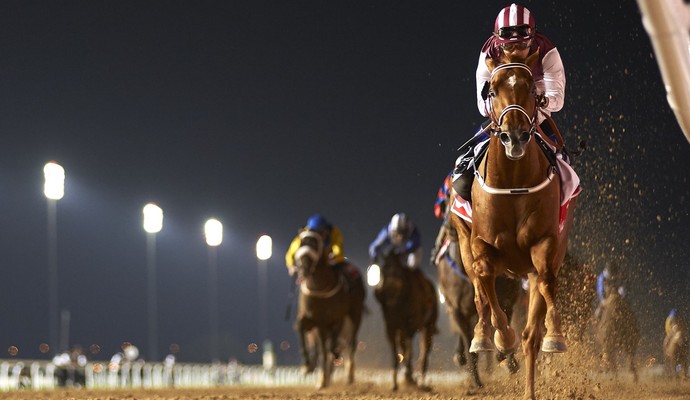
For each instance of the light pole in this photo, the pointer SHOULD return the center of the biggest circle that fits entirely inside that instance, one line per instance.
(153, 223)
(54, 190)
(264, 251)
(213, 230)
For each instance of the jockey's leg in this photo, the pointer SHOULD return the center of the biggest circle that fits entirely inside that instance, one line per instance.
(462, 184)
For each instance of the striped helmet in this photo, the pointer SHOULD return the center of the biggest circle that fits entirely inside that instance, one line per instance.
(514, 24)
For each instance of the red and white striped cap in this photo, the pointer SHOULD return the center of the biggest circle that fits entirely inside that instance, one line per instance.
(514, 15)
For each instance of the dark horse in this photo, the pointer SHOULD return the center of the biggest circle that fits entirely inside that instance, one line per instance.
(516, 228)
(409, 303)
(331, 302)
(618, 333)
(457, 289)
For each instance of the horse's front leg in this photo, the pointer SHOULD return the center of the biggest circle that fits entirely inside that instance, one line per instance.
(483, 267)
(542, 258)
(324, 380)
(406, 351)
(308, 364)
(392, 340)
(532, 334)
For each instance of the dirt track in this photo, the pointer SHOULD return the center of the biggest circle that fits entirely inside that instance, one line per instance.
(500, 387)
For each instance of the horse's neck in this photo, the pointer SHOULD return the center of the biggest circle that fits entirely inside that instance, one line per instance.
(501, 172)
(324, 276)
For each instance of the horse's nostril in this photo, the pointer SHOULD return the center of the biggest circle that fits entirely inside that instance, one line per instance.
(505, 138)
(524, 137)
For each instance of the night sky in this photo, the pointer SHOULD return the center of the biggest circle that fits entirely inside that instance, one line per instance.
(261, 113)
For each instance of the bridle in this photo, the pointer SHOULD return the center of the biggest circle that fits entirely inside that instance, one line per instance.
(498, 121)
(315, 255)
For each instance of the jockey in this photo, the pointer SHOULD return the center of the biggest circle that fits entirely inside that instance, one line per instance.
(440, 211)
(402, 235)
(332, 241)
(609, 280)
(514, 34)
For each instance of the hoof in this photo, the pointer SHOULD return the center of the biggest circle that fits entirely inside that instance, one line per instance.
(459, 359)
(554, 344)
(481, 345)
(508, 345)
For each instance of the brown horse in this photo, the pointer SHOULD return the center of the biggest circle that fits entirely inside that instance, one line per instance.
(458, 292)
(409, 303)
(516, 228)
(618, 333)
(331, 302)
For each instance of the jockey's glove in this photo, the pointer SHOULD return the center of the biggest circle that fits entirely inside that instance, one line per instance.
(542, 101)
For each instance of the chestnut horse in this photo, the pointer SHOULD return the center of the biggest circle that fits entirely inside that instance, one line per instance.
(410, 305)
(331, 303)
(516, 229)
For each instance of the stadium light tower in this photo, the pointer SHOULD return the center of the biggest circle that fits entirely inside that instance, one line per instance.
(54, 190)
(213, 230)
(153, 223)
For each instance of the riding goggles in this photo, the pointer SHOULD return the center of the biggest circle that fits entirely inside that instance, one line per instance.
(515, 32)
(511, 46)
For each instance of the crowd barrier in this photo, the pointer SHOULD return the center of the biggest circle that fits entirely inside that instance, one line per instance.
(38, 375)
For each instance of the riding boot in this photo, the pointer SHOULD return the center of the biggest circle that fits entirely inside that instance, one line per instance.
(462, 184)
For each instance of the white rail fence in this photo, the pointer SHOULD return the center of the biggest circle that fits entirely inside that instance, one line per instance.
(39, 375)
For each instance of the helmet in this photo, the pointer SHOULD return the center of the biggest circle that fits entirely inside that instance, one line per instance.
(399, 224)
(514, 24)
(317, 223)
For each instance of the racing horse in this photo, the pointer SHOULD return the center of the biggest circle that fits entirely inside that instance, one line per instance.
(458, 292)
(516, 224)
(618, 333)
(676, 346)
(409, 304)
(330, 307)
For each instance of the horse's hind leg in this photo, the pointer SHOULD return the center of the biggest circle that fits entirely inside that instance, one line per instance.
(426, 340)
(460, 357)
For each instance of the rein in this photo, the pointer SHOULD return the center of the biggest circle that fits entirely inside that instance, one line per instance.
(315, 254)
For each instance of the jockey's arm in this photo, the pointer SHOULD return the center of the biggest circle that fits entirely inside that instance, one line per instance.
(337, 251)
(290, 254)
(553, 85)
(482, 76)
(376, 244)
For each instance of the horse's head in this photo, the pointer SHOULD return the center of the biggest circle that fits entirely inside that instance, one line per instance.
(513, 102)
(310, 253)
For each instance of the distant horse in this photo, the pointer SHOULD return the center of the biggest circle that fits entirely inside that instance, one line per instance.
(458, 292)
(618, 333)
(516, 228)
(676, 347)
(329, 301)
(409, 303)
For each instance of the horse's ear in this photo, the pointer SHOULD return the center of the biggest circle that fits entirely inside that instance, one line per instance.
(531, 61)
